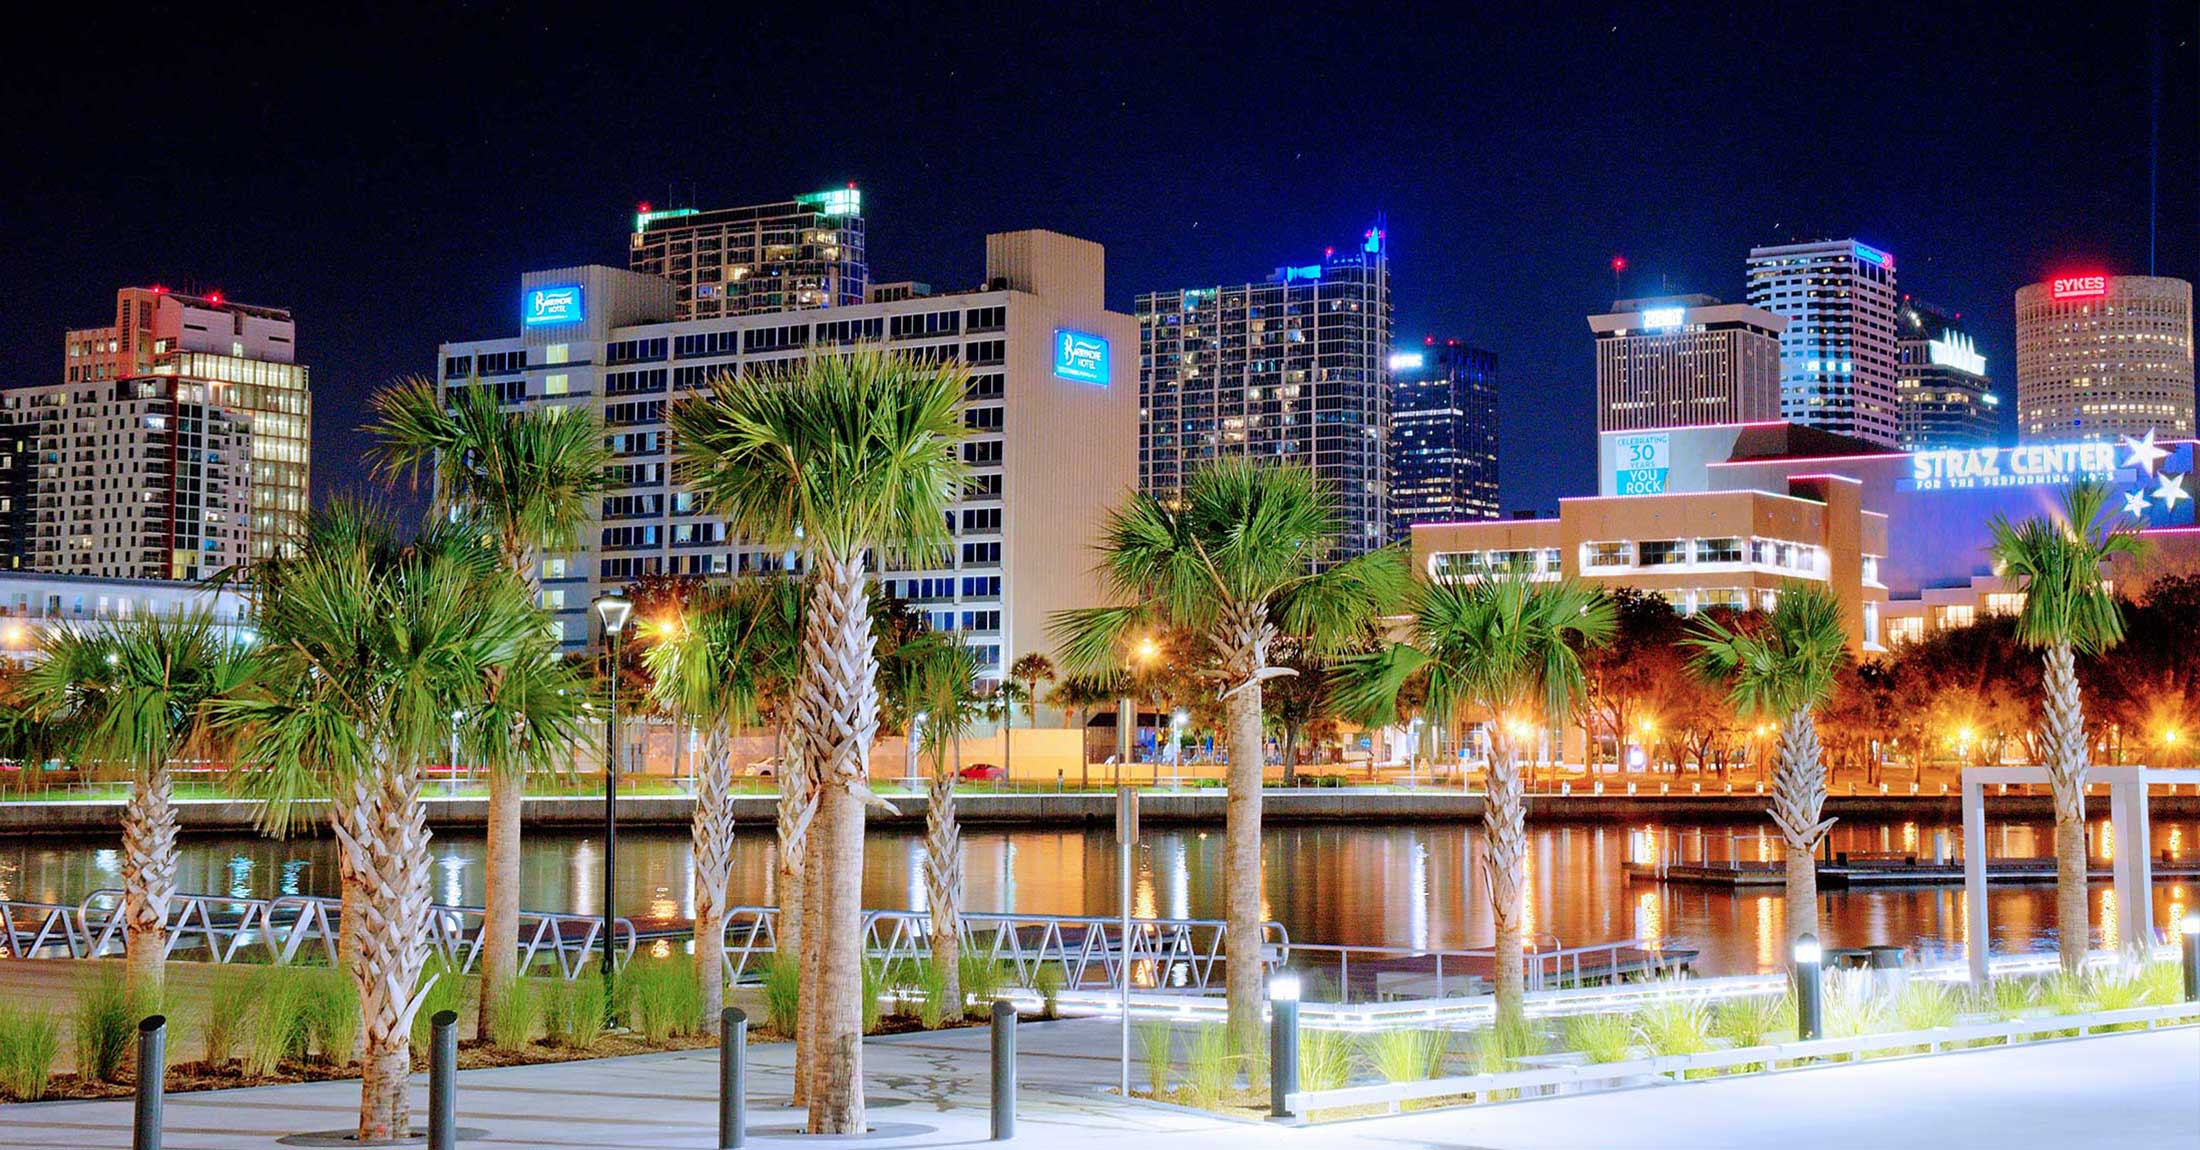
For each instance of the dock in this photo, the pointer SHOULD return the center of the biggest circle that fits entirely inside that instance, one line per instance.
(1846, 870)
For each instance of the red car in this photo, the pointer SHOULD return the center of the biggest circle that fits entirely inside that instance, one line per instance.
(981, 772)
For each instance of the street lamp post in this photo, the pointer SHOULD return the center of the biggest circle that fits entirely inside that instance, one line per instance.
(1177, 723)
(450, 777)
(612, 608)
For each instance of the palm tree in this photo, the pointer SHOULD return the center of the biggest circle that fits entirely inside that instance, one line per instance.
(715, 668)
(940, 676)
(138, 694)
(1783, 671)
(1502, 650)
(1078, 694)
(848, 459)
(1236, 564)
(530, 477)
(2068, 611)
(1024, 676)
(369, 648)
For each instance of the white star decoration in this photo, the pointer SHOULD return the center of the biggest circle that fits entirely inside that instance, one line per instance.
(2169, 489)
(2144, 454)
(2135, 503)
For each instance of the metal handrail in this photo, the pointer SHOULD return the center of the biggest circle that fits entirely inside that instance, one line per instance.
(1547, 962)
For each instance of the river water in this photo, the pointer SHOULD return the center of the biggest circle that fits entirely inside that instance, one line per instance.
(1349, 884)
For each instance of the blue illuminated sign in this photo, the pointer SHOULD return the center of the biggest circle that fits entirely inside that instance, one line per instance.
(547, 306)
(1080, 356)
(1874, 255)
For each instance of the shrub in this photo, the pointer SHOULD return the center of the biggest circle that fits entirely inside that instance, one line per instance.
(1325, 1059)
(782, 978)
(1210, 1065)
(1753, 1021)
(1672, 1026)
(107, 1013)
(277, 1027)
(573, 1013)
(2163, 982)
(515, 1014)
(1403, 1055)
(331, 1009)
(1048, 980)
(30, 1044)
(874, 991)
(663, 999)
(2009, 998)
(1601, 1037)
(2064, 993)
(1499, 1048)
(982, 979)
(1156, 1040)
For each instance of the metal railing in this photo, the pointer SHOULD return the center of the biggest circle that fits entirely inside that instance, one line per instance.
(1392, 972)
(220, 927)
(27, 929)
(1090, 950)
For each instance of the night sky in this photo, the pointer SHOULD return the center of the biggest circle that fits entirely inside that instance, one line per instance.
(390, 178)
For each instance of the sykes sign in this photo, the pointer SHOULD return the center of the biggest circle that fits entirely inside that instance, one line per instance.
(2078, 287)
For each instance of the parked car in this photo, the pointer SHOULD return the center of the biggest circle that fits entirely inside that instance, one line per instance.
(981, 772)
(762, 769)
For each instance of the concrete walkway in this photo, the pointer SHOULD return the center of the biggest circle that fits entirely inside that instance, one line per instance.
(2135, 1090)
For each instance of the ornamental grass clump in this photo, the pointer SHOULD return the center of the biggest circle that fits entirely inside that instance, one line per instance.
(932, 993)
(107, 1013)
(1675, 1026)
(782, 979)
(514, 1014)
(1599, 1038)
(2164, 982)
(1325, 1059)
(1156, 1047)
(447, 991)
(2009, 999)
(222, 1022)
(663, 999)
(982, 979)
(1403, 1055)
(1209, 1066)
(1854, 1006)
(573, 1013)
(1755, 1020)
(874, 995)
(278, 1027)
(30, 1044)
(1925, 1005)
(1048, 980)
(331, 1008)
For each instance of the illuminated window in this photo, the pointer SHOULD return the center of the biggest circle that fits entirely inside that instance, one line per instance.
(1958, 615)
(1718, 550)
(2005, 602)
(1662, 552)
(1617, 553)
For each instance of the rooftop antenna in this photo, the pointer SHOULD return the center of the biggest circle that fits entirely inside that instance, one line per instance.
(2154, 127)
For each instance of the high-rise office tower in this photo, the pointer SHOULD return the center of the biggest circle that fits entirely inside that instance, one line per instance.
(1051, 409)
(2100, 356)
(237, 359)
(1947, 398)
(1678, 361)
(802, 253)
(1294, 368)
(1838, 357)
(1443, 434)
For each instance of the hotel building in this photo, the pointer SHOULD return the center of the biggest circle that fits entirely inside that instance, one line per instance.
(1051, 408)
(34, 602)
(802, 253)
(1680, 360)
(1838, 355)
(1947, 398)
(1296, 368)
(1443, 434)
(200, 351)
(2101, 356)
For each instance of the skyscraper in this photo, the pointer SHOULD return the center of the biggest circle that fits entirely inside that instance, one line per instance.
(2100, 356)
(1443, 435)
(1838, 356)
(802, 253)
(1296, 367)
(1947, 399)
(1677, 361)
(236, 359)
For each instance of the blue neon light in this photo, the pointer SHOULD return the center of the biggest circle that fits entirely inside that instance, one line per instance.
(549, 306)
(1080, 357)
(1874, 255)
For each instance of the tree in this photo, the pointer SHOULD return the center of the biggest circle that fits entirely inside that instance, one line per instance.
(1022, 686)
(138, 694)
(717, 666)
(1502, 649)
(1294, 703)
(1078, 694)
(849, 459)
(2150, 690)
(1784, 670)
(1626, 677)
(368, 648)
(2068, 611)
(530, 478)
(1237, 562)
(940, 678)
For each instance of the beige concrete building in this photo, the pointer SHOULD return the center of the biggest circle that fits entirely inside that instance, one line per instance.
(2099, 356)
(1052, 408)
(1678, 361)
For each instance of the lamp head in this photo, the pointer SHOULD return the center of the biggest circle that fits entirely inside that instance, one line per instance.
(1808, 952)
(2190, 925)
(613, 608)
(1283, 986)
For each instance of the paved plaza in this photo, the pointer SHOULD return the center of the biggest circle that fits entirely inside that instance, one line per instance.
(2133, 1090)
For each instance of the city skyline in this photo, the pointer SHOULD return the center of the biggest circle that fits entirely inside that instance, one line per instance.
(403, 215)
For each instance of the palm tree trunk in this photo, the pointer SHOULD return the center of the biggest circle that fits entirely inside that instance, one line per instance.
(943, 885)
(836, 706)
(797, 808)
(1505, 826)
(500, 904)
(383, 833)
(2065, 752)
(1798, 799)
(1290, 756)
(712, 831)
(148, 877)
(1241, 860)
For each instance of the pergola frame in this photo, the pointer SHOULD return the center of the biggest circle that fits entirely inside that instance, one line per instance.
(2131, 868)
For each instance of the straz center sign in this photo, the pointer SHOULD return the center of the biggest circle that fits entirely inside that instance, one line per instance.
(2032, 465)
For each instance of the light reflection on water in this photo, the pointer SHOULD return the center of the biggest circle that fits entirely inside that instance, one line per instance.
(1370, 885)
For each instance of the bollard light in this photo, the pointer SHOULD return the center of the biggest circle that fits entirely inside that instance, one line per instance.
(146, 1121)
(2190, 929)
(1283, 1041)
(1004, 1070)
(733, 1093)
(1809, 1012)
(443, 1080)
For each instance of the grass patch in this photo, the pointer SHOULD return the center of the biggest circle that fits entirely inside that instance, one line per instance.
(447, 992)
(1600, 1038)
(573, 1013)
(222, 1022)
(1325, 1059)
(782, 981)
(662, 998)
(932, 992)
(1754, 1021)
(1925, 1005)
(1048, 980)
(1156, 1048)
(1209, 1066)
(277, 1027)
(1403, 1055)
(30, 1044)
(982, 980)
(1674, 1026)
(331, 1007)
(107, 1014)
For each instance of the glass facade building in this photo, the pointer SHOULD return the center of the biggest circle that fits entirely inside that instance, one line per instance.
(1838, 354)
(1443, 435)
(1296, 368)
(802, 253)
(1947, 398)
